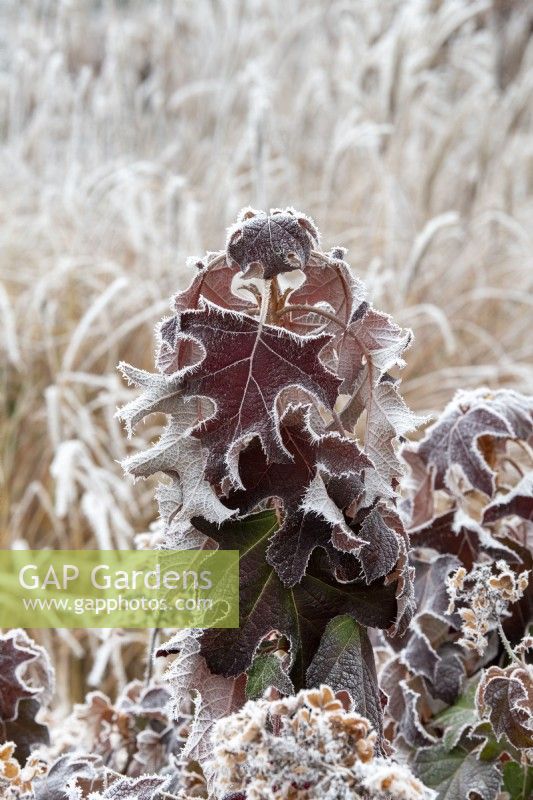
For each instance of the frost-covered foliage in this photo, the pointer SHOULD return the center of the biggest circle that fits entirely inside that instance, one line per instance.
(459, 684)
(126, 750)
(304, 747)
(266, 382)
(132, 132)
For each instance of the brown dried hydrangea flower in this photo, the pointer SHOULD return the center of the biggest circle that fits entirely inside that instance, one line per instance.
(486, 596)
(305, 746)
(17, 781)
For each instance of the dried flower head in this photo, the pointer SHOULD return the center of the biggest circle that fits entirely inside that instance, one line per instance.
(305, 746)
(17, 781)
(486, 592)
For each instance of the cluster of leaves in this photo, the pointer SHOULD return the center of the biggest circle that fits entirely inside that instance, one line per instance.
(126, 750)
(271, 367)
(469, 507)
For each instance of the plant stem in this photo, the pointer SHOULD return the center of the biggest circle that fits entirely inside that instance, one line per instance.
(265, 300)
(150, 656)
(507, 644)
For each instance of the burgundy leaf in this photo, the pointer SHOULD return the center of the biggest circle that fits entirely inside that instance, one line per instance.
(312, 451)
(372, 345)
(383, 533)
(329, 285)
(245, 368)
(419, 499)
(300, 613)
(277, 242)
(344, 660)
(13, 687)
(430, 654)
(518, 501)
(505, 696)
(467, 541)
(408, 702)
(24, 730)
(454, 438)
(430, 583)
(213, 282)
(387, 419)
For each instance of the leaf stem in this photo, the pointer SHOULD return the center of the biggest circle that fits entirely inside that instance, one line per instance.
(314, 310)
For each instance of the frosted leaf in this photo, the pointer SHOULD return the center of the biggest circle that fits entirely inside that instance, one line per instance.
(277, 242)
(182, 456)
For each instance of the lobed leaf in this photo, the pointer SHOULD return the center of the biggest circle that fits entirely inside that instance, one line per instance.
(455, 437)
(244, 369)
(68, 773)
(277, 242)
(505, 697)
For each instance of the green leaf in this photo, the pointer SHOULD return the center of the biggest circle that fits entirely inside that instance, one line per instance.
(301, 613)
(459, 718)
(345, 660)
(267, 671)
(518, 781)
(492, 748)
(457, 774)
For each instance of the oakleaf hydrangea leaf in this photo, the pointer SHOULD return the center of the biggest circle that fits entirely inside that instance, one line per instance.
(505, 697)
(304, 526)
(457, 774)
(344, 660)
(264, 377)
(215, 696)
(176, 454)
(245, 368)
(329, 285)
(370, 346)
(24, 730)
(456, 534)
(300, 613)
(454, 438)
(518, 501)
(213, 282)
(277, 242)
(144, 788)
(13, 686)
(68, 773)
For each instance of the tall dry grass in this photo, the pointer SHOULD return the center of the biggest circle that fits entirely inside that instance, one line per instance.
(131, 134)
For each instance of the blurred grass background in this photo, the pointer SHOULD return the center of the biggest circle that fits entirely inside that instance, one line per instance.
(131, 133)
